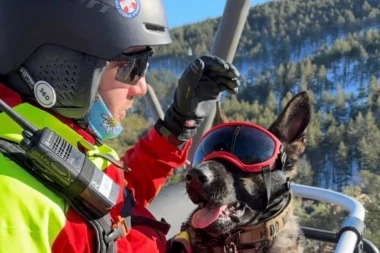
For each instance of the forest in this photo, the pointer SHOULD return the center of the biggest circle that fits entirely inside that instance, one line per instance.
(330, 48)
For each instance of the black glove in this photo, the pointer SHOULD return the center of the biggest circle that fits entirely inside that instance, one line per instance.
(197, 91)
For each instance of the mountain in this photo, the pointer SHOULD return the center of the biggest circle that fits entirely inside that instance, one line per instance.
(342, 35)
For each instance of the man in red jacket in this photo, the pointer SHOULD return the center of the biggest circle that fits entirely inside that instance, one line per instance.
(75, 66)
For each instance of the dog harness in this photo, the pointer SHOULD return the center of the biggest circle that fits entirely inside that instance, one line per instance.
(182, 241)
(246, 239)
(260, 235)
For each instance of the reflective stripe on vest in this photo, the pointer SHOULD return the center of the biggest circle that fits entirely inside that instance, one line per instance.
(31, 215)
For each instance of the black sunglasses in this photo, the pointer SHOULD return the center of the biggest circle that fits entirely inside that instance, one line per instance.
(135, 66)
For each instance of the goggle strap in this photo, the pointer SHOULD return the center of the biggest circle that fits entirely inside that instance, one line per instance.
(283, 160)
(267, 181)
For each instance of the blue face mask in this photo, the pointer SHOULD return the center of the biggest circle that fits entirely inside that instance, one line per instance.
(101, 122)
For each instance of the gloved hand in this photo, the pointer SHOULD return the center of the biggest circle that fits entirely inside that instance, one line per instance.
(197, 91)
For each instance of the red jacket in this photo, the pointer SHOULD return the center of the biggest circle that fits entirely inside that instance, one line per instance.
(151, 160)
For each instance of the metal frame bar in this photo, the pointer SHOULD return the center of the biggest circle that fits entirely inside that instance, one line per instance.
(152, 101)
(347, 241)
(332, 237)
(225, 44)
(226, 41)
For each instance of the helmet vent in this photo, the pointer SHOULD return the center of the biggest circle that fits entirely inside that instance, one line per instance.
(66, 94)
(60, 95)
(64, 76)
(156, 28)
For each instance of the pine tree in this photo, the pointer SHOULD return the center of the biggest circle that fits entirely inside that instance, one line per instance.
(340, 105)
(341, 164)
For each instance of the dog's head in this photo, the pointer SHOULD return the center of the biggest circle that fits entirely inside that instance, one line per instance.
(230, 197)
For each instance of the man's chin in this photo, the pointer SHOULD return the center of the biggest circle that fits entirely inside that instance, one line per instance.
(122, 115)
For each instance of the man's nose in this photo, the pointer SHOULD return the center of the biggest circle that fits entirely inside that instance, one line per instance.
(139, 89)
(199, 176)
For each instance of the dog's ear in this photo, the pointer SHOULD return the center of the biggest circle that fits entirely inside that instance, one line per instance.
(220, 117)
(291, 126)
(294, 120)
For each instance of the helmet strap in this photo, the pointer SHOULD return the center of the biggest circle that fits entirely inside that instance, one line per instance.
(266, 171)
(267, 181)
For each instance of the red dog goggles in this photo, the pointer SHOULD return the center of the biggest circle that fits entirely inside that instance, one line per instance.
(250, 147)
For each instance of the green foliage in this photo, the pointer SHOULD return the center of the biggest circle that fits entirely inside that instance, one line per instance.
(329, 217)
(164, 83)
(175, 178)
(281, 28)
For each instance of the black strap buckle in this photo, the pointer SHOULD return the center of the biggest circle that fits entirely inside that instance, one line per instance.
(232, 241)
(120, 229)
(230, 248)
(124, 224)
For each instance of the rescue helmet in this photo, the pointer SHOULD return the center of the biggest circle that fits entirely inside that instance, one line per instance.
(64, 45)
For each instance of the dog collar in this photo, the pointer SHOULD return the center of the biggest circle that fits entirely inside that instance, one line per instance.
(257, 236)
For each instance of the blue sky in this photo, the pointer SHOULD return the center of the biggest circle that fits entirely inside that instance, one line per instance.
(182, 12)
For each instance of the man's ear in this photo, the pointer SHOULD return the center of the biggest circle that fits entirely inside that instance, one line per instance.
(220, 117)
(292, 123)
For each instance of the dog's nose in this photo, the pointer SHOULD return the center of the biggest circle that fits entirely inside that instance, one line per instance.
(197, 177)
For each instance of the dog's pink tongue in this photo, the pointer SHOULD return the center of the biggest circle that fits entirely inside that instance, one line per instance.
(205, 216)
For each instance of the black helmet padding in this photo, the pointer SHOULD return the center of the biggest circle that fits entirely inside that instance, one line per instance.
(73, 75)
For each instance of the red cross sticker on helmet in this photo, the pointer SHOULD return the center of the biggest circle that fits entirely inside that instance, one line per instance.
(128, 8)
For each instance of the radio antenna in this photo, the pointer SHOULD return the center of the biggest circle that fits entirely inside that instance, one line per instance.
(17, 117)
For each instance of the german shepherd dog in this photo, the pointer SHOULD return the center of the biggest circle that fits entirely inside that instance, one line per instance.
(253, 215)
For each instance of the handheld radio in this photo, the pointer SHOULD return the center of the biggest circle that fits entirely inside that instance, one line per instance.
(55, 159)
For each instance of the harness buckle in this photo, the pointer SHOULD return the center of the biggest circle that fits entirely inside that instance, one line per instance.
(120, 229)
(231, 242)
(230, 248)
